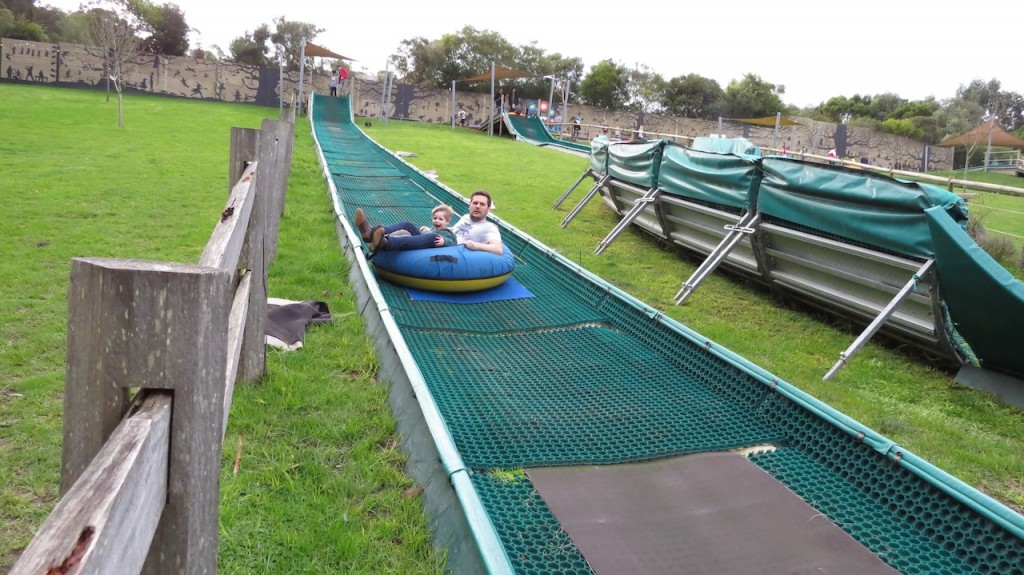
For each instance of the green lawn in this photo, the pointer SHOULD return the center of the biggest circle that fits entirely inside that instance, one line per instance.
(319, 486)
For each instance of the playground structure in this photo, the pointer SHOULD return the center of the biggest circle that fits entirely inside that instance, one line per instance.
(580, 389)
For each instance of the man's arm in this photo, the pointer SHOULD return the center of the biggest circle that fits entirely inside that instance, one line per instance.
(493, 246)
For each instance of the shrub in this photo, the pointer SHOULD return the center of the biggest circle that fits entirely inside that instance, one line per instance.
(1000, 248)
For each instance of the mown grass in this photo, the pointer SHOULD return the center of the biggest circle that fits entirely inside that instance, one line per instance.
(319, 486)
(892, 390)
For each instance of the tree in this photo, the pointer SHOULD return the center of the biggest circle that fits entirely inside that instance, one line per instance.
(456, 56)
(882, 106)
(752, 97)
(288, 38)
(168, 30)
(693, 96)
(19, 8)
(841, 109)
(605, 86)
(17, 27)
(646, 88)
(115, 43)
(252, 48)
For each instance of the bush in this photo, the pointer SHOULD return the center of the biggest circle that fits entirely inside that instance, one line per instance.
(1000, 248)
(976, 227)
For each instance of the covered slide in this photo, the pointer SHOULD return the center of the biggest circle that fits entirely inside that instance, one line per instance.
(854, 243)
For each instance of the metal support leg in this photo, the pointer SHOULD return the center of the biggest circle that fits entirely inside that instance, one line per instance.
(638, 207)
(586, 199)
(572, 187)
(746, 226)
(876, 323)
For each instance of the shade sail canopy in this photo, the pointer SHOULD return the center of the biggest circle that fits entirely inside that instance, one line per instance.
(500, 73)
(768, 121)
(319, 51)
(980, 136)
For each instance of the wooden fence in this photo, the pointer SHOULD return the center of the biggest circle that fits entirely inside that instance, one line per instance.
(140, 478)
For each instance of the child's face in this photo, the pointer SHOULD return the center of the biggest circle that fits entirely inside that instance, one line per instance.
(440, 220)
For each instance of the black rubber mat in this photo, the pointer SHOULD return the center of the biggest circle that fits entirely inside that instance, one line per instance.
(710, 513)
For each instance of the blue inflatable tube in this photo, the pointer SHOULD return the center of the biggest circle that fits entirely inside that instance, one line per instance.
(448, 269)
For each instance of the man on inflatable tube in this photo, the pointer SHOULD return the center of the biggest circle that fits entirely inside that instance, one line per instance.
(478, 261)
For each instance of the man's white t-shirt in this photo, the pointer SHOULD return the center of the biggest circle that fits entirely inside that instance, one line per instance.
(482, 232)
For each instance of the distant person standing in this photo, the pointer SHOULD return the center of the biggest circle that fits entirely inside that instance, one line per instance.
(499, 100)
(577, 121)
(342, 76)
(334, 85)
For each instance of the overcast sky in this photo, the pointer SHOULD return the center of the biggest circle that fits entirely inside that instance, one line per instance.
(817, 49)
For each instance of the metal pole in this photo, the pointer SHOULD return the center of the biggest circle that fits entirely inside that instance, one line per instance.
(490, 121)
(988, 150)
(453, 104)
(280, 84)
(551, 97)
(302, 70)
(775, 134)
(383, 89)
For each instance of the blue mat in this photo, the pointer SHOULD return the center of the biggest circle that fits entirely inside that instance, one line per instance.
(509, 289)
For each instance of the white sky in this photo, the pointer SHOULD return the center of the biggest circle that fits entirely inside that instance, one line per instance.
(816, 49)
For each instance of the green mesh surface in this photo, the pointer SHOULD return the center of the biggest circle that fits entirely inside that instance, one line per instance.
(518, 400)
(534, 541)
(909, 523)
(577, 375)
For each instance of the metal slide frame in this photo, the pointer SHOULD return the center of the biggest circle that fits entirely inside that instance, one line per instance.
(881, 318)
(639, 205)
(744, 227)
(572, 188)
(586, 200)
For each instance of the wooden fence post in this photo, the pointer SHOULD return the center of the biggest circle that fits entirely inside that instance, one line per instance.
(161, 326)
(245, 144)
(271, 152)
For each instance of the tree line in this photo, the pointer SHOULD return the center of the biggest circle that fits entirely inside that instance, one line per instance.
(163, 29)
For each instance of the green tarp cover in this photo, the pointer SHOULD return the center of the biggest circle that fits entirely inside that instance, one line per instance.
(735, 146)
(984, 300)
(862, 206)
(636, 163)
(722, 179)
(599, 157)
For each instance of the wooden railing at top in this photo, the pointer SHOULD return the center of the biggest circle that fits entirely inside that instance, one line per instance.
(141, 479)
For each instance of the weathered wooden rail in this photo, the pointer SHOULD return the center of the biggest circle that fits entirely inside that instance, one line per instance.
(140, 477)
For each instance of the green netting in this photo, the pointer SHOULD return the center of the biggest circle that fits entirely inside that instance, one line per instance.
(580, 374)
(533, 539)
